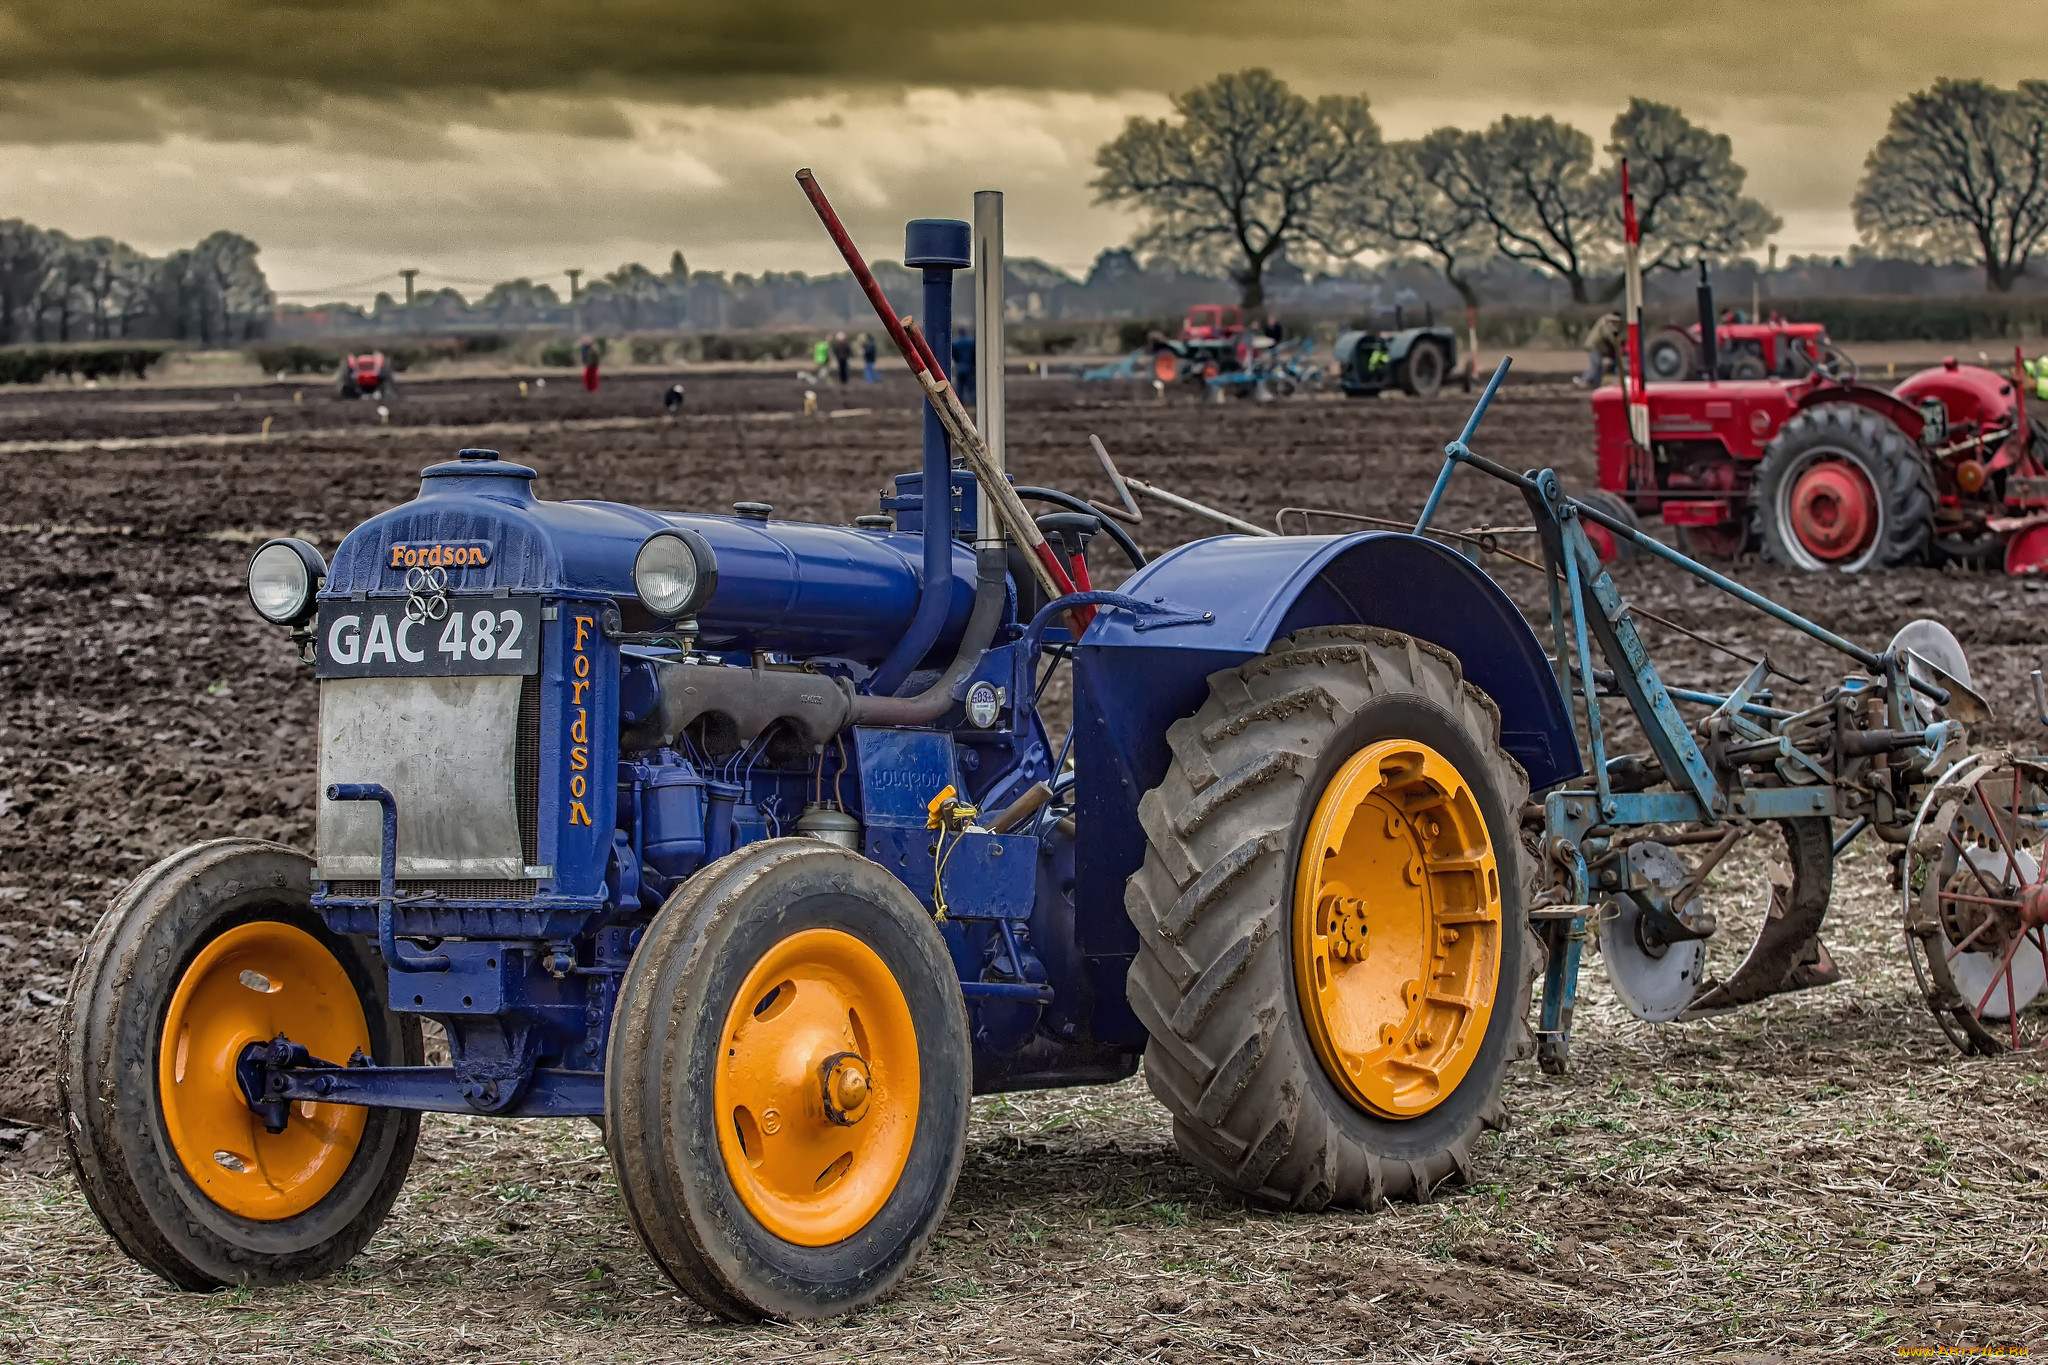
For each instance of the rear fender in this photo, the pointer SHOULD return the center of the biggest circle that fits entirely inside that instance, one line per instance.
(1131, 684)
(1399, 344)
(1898, 412)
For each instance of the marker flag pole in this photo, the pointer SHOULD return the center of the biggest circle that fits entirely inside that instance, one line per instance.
(1632, 241)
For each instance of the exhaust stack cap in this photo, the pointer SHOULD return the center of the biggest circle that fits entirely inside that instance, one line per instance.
(943, 242)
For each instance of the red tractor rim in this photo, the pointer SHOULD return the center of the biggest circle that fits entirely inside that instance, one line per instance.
(1834, 510)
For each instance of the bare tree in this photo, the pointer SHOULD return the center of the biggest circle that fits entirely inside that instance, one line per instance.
(24, 266)
(1961, 174)
(1531, 181)
(1399, 205)
(1243, 174)
(1688, 189)
(233, 291)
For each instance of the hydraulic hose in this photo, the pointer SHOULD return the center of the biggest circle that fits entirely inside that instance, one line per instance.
(1073, 504)
(991, 591)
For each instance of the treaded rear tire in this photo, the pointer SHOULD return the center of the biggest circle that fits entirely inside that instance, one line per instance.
(1213, 981)
(1904, 485)
(1422, 371)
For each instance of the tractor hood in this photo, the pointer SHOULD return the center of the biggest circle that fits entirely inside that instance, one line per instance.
(783, 586)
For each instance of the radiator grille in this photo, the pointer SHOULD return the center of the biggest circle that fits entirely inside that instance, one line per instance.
(526, 792)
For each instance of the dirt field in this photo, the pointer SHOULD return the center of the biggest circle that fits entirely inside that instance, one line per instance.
(1820, 1175)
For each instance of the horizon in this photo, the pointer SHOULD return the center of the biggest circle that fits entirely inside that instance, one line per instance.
(520, 142)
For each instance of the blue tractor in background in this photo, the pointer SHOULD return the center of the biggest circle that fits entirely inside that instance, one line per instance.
(747, 838)
(1415, 360)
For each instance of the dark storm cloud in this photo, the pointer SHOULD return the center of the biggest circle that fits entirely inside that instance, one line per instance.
(282, 70)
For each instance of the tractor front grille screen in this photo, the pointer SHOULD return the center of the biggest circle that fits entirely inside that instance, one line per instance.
(526, 785)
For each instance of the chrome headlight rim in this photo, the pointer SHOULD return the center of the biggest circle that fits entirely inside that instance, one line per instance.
(700, 555)
(312, 567)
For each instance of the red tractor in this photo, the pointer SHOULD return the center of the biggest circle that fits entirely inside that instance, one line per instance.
(1747, 350)
(366, 376)
(1208, 345)
(1823, 474)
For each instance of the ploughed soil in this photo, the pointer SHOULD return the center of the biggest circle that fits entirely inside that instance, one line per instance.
(1816, 1175)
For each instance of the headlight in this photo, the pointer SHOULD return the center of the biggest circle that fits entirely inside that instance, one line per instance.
(283, 576)
(675, 572)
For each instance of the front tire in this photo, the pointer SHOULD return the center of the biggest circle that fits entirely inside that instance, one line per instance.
(1235, 963)
(787, 1087)
(211, 950)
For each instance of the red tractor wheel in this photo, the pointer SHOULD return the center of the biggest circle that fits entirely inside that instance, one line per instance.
(1606, 544)
(1834, 510)
(1841, 488)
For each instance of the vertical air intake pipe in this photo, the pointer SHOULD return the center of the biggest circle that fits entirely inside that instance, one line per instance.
(938, 246)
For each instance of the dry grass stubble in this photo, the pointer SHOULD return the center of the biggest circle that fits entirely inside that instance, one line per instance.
(1817, 1176)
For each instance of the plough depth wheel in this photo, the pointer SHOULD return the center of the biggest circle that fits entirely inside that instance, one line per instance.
(1976, 903)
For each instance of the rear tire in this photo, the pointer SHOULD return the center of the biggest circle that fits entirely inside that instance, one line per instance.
(1422, 373)
(110, 1086)
(769, 1249)
(1873, 460)
(1671, 357)
(1215, 979)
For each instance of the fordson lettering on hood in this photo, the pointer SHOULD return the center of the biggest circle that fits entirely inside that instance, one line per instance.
(454, 554)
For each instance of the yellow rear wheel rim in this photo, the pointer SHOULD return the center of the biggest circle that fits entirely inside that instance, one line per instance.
(1397, 929)
(817, 1089)
(254, 982)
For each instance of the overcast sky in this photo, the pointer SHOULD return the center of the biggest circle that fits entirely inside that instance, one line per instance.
(481, 139)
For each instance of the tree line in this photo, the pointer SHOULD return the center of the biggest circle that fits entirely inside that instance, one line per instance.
(1246, 173)
(59, 288)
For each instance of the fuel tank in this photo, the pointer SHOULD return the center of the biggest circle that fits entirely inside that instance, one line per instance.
(788, 587)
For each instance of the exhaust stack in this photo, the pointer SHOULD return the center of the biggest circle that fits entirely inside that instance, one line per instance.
(1710, 352)
(988, 351)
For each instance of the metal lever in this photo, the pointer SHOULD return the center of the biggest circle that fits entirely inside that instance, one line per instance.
(387, 878)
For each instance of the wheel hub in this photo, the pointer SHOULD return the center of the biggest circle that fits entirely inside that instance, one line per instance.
(1397, 925)
(817, 1096)
(255, 983)
(1834, 510)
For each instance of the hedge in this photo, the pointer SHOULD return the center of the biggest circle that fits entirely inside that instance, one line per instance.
(33, 364)
(301, 357)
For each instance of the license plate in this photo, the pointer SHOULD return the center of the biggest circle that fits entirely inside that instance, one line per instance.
(476, 636)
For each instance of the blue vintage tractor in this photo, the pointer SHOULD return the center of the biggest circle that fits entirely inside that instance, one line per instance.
(747, 838)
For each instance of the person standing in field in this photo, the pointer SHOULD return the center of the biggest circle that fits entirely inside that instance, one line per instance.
(1603, 350)
(842, 355)
(821, 356)
(588, 347)
(867, 358)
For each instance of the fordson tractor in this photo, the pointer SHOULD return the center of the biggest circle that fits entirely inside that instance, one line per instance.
(747, 838)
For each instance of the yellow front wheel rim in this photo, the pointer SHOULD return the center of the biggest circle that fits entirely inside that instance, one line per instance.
(817, 1090)
(1397, 929)
(249, 985)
